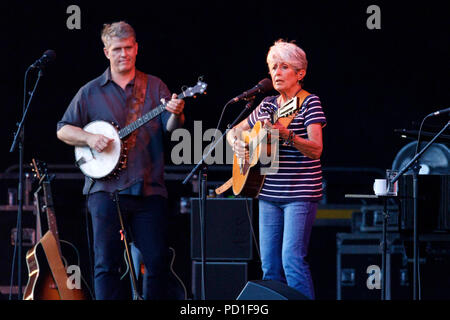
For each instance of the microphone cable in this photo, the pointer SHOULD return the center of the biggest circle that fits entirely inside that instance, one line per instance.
(420, 132)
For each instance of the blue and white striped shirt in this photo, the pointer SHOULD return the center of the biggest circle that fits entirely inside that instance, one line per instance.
(298, 178)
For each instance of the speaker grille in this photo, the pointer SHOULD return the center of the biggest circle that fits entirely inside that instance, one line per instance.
(228, 229)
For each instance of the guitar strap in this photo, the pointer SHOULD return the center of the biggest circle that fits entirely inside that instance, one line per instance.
(227, 185)
(284, 121)
(135, 104)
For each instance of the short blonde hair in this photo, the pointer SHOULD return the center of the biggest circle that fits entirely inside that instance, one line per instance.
(121, 30)
(287, 52)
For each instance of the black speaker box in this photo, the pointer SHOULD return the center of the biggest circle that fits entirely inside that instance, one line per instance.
(228, 229)
(269, 290)
(223, 281)
(433, 203)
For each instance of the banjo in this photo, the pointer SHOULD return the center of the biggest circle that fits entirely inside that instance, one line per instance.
(109, 162)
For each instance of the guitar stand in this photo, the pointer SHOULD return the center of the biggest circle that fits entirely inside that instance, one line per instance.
(123, 235)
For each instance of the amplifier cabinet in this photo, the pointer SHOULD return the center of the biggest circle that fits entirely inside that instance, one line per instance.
(433, 203)
(223, 281)
(228, 226)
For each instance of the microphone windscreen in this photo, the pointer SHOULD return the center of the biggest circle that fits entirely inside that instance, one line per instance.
(266, 85)
(50, 55)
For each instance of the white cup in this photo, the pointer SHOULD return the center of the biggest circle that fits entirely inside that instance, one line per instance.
(380, 187)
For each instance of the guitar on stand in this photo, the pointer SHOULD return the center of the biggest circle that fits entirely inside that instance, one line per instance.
(47, 275)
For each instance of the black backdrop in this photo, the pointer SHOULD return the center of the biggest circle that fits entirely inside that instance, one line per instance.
(370, 81)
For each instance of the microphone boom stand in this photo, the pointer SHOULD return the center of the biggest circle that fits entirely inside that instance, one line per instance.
(19, 140)
(416, 169)
(203, 177)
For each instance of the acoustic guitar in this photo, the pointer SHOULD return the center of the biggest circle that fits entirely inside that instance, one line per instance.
(109, 162)
(176, 290)
(47, 276)
(248, 177)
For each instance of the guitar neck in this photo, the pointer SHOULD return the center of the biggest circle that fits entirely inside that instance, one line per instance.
(274, 118)
(144, 119)
(49, 209)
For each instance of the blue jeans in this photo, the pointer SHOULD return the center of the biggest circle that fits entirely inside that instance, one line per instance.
(284, 232)
(146, 219)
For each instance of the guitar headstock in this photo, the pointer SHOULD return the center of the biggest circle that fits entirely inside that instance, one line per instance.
(288, 108)
(40, 169)
(199, 88)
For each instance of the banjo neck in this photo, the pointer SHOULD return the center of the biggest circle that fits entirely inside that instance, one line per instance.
(126, 131)
(105, 164)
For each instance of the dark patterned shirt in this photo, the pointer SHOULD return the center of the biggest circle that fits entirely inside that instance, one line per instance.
(103, 99)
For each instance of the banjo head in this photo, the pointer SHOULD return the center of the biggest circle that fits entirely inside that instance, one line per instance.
(95, 164)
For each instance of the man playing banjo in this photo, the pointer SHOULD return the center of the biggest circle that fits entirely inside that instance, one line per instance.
(120, 95)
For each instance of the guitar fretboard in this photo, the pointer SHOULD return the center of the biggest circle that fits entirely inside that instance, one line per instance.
(51, 217)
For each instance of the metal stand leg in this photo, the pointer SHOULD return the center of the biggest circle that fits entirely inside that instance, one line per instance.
(136, 295)
(384, 250)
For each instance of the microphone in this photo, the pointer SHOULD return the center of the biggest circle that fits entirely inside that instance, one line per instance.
(48, 56)
(263, 86)
(420, 129)
(439, 112)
